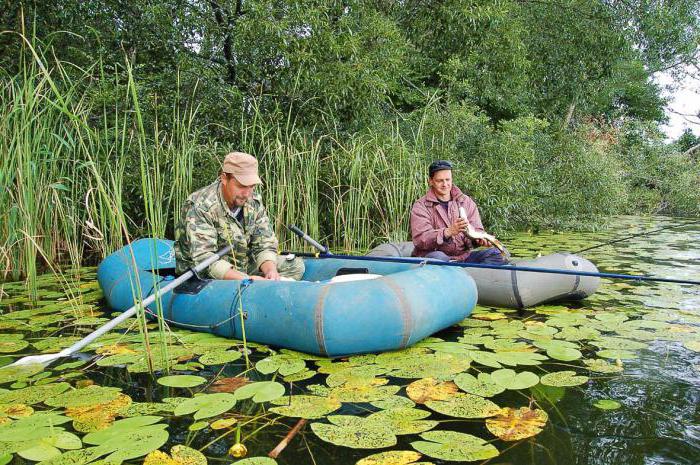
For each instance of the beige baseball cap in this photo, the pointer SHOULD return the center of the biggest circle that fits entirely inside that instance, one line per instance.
(243, 167)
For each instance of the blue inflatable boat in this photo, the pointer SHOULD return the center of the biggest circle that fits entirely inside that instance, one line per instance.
(404, 305)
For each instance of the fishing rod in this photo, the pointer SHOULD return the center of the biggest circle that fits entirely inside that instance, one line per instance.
(665, 228)
(507, 267)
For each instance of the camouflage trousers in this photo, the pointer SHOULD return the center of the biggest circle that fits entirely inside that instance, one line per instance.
(293, 268)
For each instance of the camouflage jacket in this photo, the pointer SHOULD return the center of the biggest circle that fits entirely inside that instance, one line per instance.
(207, 225)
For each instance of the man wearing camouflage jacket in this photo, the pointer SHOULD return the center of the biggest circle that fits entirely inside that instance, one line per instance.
(225, 212)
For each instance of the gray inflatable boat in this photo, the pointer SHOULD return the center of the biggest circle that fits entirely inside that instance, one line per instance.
(520, 289)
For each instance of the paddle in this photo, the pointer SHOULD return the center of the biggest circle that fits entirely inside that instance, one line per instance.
(507, 267)
(46, 359)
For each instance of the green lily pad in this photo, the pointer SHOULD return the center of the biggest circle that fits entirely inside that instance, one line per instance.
(602, 366)
(263, 391)
(482, 386)
(563, 378)
(33, 394)
(509, 379)
(437, 365)
(403, 420)
(13, 373)
(302, 406)
(364, 390)
(284, 364)
(206, 405)
(256, 461)
(618, 343)
(454, 446)
(7, 347)
(464, 406)
(181, 381)
(615, 354)
(49, 447)
(220, 357)
(606, 404)
(91, 395)
(354, 374)
(300, 376)
(76, 457)
(136, 443)
(392, 457)
(119, 428)
(393, 402)
(354, 432)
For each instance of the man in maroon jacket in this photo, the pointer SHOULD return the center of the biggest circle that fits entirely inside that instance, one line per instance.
(438, 230)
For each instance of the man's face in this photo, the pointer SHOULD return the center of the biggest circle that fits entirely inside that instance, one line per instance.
(441, 184)
(235, 194)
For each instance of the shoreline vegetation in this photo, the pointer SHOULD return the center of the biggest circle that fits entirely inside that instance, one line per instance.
(93, 155)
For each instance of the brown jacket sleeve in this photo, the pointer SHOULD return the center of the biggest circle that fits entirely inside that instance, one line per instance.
(425, 236)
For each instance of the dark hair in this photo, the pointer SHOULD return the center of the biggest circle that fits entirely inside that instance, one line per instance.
(438, 165)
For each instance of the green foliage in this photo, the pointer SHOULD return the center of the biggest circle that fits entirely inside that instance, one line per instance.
(112, 127)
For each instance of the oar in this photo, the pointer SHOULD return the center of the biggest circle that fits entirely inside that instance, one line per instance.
(429, 261)
(46, 359)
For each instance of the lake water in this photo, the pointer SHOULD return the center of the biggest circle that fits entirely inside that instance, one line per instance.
(636, 345)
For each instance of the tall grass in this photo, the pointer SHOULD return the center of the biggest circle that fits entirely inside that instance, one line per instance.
(82, 176)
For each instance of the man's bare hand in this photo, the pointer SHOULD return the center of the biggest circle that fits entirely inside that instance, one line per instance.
(269, 270)
(456, 228)
(481, 243)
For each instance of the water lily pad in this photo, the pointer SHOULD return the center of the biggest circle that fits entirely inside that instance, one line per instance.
(256, 461)
(263, 391)
(223, 423)
(76, 457)
(354, 432)
(482, 386)
(602, 366)
(136, 443)
(302, 406)
(97, 416)
(392, 457)
(464, 406)
(119, 428)
(563, 378)
(364, 390)
(179, 455)
(206, 405)
(427, 389)
(181, 381)
(607, 404)
(13, 373)
(616, 353)
(403, 420)
(393, 402)
(220, 357)
(437, 365)
(692, 345)
(15, 410)
(198, 426)
(49, 447)
(351, 374)
(91, 395)
(516, 424)
(509, 379)
(454, 446)
(11, 346)
(284, 364)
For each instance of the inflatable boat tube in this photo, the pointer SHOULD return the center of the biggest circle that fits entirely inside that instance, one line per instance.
(404, 305)
(520, 289)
